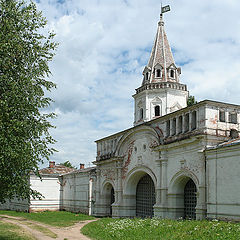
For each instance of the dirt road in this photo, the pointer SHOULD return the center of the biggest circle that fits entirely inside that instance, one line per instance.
(63, 233)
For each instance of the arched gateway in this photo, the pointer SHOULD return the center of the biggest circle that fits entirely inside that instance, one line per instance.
(145, 197)
(190, 200)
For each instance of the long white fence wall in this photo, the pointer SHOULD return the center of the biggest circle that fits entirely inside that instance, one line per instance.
(223, 171)
(16, 205)
(75, 196)
(49, 187)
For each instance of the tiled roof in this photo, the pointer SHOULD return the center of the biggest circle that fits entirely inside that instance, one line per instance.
(58, 169)
(81, 170)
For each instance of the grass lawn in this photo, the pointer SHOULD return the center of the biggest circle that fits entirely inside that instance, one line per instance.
(13, 232)
(110, 229)
(58, 218)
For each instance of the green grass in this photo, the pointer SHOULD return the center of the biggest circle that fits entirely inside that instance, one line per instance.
(13, 232)
(58, 218)
(111, 229)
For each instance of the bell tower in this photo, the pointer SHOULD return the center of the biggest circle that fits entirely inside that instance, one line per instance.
(160, 92)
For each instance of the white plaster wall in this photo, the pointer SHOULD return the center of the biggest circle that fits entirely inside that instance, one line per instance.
(137, 151)
(223, 178)
(185, 158)
(15, 205)
(75, 192)
(168, 99)
(215, 127)
(49, 187)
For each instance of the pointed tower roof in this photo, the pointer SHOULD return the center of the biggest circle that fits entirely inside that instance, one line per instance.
(161, 58)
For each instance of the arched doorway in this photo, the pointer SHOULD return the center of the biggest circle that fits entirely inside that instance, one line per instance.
(145, 197)
(112, 200)
(190, 200)
(108, 198)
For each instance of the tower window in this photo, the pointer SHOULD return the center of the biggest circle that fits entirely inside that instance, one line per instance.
(146, 75)
(157, 111)
(158, 73)
(141, 113)
(172, 73)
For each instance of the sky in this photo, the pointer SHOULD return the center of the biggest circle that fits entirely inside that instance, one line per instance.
(103, 48)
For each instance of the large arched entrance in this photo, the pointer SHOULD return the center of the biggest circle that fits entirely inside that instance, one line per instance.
(145, 197)
(190, 200)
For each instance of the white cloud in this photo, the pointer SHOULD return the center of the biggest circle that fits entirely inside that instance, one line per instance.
(104, 46)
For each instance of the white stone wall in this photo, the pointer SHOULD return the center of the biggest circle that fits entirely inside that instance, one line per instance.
(213, 123)
(75, 192)
(223, 178)
(49, 187)
(183, 161)
(168, 99)
(15, 205)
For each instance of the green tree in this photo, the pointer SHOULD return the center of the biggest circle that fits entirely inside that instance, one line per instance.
(67, 164)
(25, 51)
(191, 101)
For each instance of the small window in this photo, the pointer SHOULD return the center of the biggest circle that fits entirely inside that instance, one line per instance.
(141, 113)
(172, 73)
(158, 73)
(157, 111)
(222, 116)
(233, 117)
(146, 75)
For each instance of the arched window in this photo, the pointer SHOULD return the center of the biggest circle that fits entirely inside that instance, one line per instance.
(141, 113)
(157, 111)
(172, 73)
(146, 75)
(158, 73)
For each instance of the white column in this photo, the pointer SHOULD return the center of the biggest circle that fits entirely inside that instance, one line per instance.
(158, 186)
(160, 209)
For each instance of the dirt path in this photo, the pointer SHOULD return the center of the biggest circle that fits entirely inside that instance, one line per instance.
(69, 233)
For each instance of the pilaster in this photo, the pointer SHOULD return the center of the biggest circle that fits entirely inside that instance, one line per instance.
(160, 208)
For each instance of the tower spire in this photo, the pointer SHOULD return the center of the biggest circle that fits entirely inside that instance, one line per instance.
(160, 93)
(161, 66)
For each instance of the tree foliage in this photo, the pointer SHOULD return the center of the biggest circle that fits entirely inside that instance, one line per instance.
(191, 101)
(24, 129)
(67, 164)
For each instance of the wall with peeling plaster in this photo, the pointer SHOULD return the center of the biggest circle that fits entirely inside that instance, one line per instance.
(223, 178)
(171, 160)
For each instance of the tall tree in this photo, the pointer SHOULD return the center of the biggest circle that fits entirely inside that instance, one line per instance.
(25, 51)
